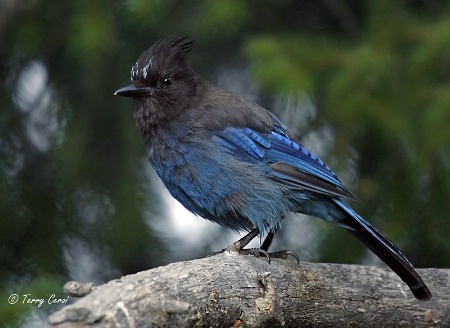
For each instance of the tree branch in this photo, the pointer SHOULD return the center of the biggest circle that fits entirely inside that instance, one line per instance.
(235, 291)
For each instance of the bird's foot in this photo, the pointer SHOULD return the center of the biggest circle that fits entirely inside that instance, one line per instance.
(234, 249)
(237, 248)
(257, 252)
(284, 255)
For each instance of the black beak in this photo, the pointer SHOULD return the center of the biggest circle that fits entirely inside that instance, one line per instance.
(135, 90)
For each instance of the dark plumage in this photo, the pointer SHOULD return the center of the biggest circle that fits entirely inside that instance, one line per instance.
(233, 162)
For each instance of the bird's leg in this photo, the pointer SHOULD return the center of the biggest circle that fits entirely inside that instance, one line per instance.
(244, 241)
(238, 246)
(268, 240)
(279, 254)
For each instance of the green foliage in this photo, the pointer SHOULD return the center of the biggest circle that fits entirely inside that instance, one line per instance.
(93, 30)
(284, 64)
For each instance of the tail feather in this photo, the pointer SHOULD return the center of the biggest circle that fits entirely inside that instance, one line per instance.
(385, 250)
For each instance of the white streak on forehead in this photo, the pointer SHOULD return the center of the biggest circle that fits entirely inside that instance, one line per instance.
(135, 71)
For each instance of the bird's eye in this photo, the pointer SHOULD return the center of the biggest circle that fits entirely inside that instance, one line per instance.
(167, 81)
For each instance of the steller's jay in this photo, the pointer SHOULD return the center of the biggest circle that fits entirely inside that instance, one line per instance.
(233, 162)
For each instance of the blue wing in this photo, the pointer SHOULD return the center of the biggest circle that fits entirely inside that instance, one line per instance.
(292, 165)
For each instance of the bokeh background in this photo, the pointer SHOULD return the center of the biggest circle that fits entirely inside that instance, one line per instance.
(363, 84)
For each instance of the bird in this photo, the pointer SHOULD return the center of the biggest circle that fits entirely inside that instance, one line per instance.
(233, 162)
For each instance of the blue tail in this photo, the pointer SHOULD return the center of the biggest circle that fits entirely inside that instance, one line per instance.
(385, 250)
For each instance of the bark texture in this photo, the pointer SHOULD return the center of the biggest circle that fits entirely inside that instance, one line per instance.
(244, 291)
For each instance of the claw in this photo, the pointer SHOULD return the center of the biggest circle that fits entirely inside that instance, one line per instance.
(284, 255)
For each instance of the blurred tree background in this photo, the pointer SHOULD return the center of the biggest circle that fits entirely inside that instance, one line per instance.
(364, 84)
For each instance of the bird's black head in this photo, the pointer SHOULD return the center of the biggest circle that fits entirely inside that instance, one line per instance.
(161, 76)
